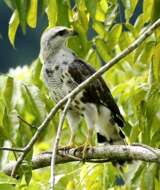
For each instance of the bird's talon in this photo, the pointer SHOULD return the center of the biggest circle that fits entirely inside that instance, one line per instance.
(65, 148)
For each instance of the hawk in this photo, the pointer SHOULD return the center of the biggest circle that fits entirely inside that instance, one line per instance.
(63, 71)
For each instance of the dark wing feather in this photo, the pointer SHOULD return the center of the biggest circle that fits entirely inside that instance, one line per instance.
(97, 91)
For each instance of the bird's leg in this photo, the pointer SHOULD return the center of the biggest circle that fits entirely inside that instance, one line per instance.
(71, 143)
(72, 139)
(73, 121)
(88, 142)
(90, 115)
(89, 137)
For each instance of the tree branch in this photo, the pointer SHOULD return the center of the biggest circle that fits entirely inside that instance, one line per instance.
(56, 142)
(112, 62)
(97, 154)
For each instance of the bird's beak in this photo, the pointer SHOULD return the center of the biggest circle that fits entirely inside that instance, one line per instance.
(73, 32)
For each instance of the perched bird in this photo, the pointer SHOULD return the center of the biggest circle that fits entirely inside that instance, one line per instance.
(63, 71)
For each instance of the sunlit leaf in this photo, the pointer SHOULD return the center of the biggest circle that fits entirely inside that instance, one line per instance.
(32, 14)
(155, 10)
(8, 91)
(13, 25)
(147, 9)
(52, 12)
(129, 7)
(91, 6)
(135, 170)
(100, 15)
(104, 30)
(115, 34)
(22, 8)
(27, 170)
(147, 181)
(35, 101)
(93, 59)
(156, 62)
(5, 179)
(99, 28)
(104, 5)
(63, 15)
(102, 49)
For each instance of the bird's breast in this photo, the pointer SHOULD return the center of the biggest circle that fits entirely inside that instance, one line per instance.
(53, 75)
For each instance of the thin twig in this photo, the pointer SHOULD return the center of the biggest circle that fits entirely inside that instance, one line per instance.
(103, 69)
(24, 121)
(56, 142)
(12, 149)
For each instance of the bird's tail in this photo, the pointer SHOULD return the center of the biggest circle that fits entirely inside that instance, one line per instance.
(119, 139)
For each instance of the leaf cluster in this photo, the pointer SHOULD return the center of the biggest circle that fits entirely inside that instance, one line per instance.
(134, 82)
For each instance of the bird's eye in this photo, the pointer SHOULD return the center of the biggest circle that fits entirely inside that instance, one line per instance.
(62, 32)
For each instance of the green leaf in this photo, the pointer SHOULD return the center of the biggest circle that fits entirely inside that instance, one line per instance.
(8, 91)
(5, 179)
(27, 170)
(36, 73)
(32, 14)
(157, 184)
(77, 46)
(151, 78)
(148, 176)
(129, 7)
(52, 13)
(93, 59)
(34, 99)
(102, 50)
(155, 139)
(7, 187)
(10, 125)
(147, 52)
(111, 15)
(104, 5)
(63, 16)
(156, 62)
(43, 5)
(147, 9)
(155, 10)
(100, 15)
(22, 8)
(114, 34)
(13, 25)
(134, 134)
(134, 172)
(138, 25)
(10, 3)
(99, 28)
(91, 6)
(2, 111)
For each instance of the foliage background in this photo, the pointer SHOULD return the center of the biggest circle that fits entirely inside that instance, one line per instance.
(134, 83)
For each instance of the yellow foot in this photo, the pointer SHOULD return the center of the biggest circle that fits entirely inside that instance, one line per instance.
(67, 147)
(86, 146)
(83, 149)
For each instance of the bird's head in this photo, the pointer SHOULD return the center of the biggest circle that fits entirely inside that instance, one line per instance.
(54, 39)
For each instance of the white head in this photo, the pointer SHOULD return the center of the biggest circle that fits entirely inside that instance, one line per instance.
(54, 39)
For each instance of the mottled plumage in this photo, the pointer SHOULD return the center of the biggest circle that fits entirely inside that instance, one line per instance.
(63, 71)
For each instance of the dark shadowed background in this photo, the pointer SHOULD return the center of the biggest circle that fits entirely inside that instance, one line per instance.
(27, 46)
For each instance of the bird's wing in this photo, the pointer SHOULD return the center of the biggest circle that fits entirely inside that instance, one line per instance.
(97, 91)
